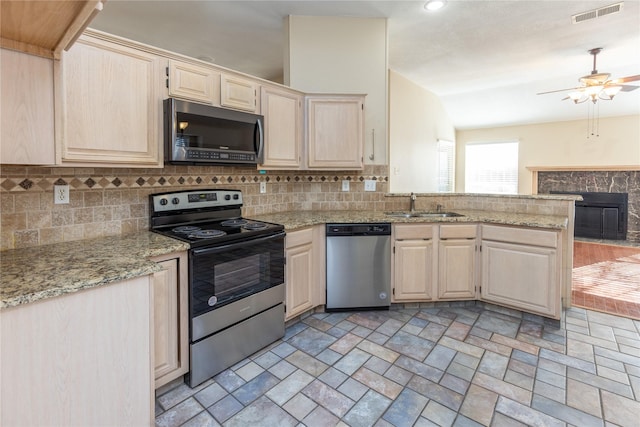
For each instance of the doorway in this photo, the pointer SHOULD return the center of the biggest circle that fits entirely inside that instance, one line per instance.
(606, 277)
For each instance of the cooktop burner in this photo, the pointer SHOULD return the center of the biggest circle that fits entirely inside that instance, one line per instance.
(185, 229)
(255, 226)
(206, 234)
(233, 222)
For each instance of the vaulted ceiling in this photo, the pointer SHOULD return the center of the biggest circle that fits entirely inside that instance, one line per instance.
(486, 60)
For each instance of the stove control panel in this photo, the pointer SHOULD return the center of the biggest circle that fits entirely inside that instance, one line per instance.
(195, 199)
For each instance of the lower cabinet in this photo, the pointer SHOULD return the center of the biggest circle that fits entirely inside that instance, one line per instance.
(170, 318)
(305, 270)
(457, 262)
(521, 269)
(414, 272)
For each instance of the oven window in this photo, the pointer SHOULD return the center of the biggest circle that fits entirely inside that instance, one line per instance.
(219, 277)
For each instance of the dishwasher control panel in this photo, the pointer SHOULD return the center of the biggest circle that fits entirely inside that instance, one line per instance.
(369, 229)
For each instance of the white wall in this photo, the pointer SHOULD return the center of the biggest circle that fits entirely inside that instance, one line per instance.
(417, 120)
(342, 55)
(560, 144)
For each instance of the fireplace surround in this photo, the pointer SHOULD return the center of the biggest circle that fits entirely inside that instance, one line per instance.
(600, 215)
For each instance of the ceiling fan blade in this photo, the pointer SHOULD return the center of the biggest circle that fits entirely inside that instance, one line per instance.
(626, 79)
(559, 90)
(628, 88)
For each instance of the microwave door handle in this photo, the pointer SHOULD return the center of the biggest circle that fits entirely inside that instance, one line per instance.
(260, 141)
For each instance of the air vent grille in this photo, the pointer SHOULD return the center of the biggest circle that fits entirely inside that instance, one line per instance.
(597, 13)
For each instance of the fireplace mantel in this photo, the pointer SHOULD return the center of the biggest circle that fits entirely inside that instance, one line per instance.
(612, 168)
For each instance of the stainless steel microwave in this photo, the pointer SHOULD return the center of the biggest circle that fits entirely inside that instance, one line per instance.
(198, 134)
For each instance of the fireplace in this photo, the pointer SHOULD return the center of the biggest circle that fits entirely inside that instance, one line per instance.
(600, 215)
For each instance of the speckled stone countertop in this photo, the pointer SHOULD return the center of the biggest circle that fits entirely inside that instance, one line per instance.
(32, 274)
(295, 220)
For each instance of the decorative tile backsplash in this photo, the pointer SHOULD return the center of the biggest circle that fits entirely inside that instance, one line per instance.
(105, 201)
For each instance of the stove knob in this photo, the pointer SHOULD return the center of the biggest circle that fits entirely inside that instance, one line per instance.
(163, 202)
(227, 197)
(175, 200)
(236, 197)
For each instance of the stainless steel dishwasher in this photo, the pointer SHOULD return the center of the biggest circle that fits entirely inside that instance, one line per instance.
(358, 266)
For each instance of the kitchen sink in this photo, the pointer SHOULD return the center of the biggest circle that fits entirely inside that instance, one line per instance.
(423, 214)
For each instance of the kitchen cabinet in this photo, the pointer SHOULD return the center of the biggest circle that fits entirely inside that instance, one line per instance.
(239, 93)
(45, 28)
(521, 269)
(283, 128)
(305, 270)
(335, 132)
(26, 131)
(414, 265)
(82, 358)
(457, 261)
(171, 318)
(108, 104)
(193, 82)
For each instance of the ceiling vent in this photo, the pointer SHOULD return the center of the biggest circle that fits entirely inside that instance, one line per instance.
(597, 13)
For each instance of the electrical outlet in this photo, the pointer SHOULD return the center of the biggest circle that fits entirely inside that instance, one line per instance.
(263, 187)
(369, 185)
(345, 185)
(60, 194)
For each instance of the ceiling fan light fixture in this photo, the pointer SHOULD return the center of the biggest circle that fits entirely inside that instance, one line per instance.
(578, 96)
(433, 5)
(609, 92)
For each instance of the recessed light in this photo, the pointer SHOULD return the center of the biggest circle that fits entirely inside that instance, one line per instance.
(433, 5)
(206, 58)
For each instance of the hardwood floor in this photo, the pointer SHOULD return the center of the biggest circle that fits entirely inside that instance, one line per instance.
(607, 278)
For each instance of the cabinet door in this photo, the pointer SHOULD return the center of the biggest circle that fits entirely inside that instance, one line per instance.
(238, 93)
(26, 131)
(413, 270)
(335, 132)
(108, 106)
(456, 265)
(299, 278)
(193, 82)
(283, 123)
(521, 276)
(170, 321)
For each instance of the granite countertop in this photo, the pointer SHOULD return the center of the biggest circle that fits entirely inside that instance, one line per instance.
(32, 274)
(294, 220)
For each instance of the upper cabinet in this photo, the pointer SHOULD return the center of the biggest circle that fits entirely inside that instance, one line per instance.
(283, 125)
(193, 82)
(26, 131)
(239, 93)
(45, 28)
(108, 105)
(335, 132)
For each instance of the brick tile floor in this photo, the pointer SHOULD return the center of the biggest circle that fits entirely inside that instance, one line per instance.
(466, 364)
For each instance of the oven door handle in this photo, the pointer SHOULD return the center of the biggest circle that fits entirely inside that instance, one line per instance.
(236, 245)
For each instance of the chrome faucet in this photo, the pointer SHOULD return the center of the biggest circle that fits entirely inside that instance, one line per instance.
(412, 203)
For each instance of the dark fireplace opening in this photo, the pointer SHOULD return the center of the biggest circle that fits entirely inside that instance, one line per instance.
(600, 215)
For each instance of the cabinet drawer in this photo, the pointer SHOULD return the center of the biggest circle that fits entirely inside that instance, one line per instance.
(520, 235)
(413, 232)
(299, 237)
(467, 231)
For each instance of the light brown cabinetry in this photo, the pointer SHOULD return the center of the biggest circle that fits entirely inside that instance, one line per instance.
(26, 131)
(305, 270)
(335, 132)
(82, 358)
(283, 128)
(239, 93)
(171, 319)
(108, 105)
(457, 262)
(45, 28)
(414, 267)
(521, 269)
(193, 82)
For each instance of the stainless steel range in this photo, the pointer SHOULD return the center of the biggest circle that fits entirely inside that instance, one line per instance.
(236, 276)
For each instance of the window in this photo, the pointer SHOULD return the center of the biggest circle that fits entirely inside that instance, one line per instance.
(491, 168)
(446, 161)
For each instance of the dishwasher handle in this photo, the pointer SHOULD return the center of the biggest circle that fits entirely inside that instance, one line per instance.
(368, 229)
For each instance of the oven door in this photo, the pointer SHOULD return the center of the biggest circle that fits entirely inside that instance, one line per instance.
(221, 275)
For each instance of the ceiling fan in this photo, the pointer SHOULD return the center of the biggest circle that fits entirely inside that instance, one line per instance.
(596, 85)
